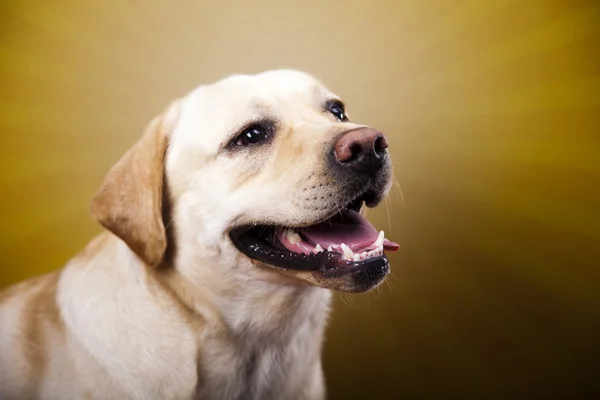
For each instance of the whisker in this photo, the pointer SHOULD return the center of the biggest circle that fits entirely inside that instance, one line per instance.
(349, 301)
(388, 204)
(389, 285)
(398, 189)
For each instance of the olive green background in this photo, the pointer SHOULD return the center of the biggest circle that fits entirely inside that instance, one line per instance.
(492, 110)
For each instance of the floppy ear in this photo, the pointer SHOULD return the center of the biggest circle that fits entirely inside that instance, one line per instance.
(129, 201)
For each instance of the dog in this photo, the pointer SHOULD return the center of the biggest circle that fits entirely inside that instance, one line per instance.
(226, 228)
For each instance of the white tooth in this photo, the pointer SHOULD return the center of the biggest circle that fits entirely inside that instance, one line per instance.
(379, 241)
(329, 249)
(348, 254)
(293, 237)
(356, 257)
(318, 248)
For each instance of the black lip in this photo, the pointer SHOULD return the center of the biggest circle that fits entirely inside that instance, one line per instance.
(258, 243)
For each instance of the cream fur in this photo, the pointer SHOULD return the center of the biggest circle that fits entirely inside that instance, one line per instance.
(124, 320)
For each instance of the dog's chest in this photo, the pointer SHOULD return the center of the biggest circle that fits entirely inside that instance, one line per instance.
(258, 371)
(264, 364)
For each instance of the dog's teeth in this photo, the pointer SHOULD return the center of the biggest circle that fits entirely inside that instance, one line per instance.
(293, 237)
(330, 249)
(379, 242)
(348, 254)
(318, 248)
(356, 257)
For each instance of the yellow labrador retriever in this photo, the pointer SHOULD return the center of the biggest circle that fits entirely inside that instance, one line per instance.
(227, 225)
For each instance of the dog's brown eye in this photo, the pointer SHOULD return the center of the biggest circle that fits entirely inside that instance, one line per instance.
(252, 135)
(337, 109)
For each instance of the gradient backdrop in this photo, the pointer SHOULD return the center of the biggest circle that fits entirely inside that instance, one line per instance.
(492, 109)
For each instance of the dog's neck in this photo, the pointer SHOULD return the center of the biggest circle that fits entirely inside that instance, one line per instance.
(270, 332)
(259, 302)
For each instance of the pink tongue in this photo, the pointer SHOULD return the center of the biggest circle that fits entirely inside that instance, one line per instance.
(350, 228)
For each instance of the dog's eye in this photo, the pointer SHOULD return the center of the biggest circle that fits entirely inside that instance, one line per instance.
(337, 109)
(251, 135)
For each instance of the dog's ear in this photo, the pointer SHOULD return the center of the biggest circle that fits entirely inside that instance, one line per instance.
(129, 201)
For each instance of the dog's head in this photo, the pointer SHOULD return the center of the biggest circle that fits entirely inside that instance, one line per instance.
(255, 173)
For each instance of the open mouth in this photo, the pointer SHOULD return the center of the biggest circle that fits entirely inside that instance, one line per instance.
(345, 240)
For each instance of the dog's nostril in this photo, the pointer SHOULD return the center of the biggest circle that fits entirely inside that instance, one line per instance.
(381, 144)
(355, 150)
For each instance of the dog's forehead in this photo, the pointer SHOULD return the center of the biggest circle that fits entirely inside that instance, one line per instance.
(291, 81)
(213, 111)
(270, 87)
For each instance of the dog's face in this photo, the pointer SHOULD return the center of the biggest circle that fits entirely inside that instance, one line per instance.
(262, 172)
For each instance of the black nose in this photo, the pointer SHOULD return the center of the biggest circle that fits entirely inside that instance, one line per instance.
(362, 150)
